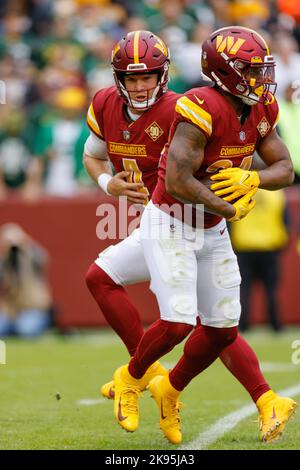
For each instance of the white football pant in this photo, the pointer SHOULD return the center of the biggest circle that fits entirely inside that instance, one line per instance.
(190, 275)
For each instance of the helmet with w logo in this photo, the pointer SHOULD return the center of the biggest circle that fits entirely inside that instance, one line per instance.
(141, 52)
(238, 60)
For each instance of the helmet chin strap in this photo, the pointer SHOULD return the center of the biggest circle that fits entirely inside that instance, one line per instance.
(251, 99)
(247, 100)
(219, 82)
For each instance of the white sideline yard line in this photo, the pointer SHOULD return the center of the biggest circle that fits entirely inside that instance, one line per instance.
(90, 401)
(228, 422)
(278, 367)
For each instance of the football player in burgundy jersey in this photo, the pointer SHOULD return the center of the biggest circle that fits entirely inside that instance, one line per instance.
(129, 126)
(215, 132)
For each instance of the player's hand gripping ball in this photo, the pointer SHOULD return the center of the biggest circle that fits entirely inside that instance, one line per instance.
(234, 183)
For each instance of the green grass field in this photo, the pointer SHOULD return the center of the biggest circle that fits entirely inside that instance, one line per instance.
(44, 382)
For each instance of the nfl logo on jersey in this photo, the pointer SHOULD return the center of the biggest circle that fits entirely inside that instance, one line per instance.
(126, 135)
(242, 136)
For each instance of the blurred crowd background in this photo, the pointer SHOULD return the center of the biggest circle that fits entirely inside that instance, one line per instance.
(54, 55)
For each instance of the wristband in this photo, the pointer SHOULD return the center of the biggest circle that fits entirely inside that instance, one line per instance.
(103, 181)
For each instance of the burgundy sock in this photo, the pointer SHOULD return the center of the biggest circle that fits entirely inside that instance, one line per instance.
(201, 349)
(157, 341)
(242, 362)
(116, 306)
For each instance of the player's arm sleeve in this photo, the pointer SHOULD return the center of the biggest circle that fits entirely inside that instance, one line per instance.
(189, 110)
(93, 123)
(95, 147)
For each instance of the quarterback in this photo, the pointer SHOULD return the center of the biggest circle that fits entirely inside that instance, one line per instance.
(129, 126)
(215, 132)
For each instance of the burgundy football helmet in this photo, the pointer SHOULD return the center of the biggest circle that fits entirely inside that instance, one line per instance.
(141, 52)
(238, 60)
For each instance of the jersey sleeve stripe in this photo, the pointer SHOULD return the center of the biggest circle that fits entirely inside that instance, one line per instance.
(204, 114)
(91, 120)
(194, 113)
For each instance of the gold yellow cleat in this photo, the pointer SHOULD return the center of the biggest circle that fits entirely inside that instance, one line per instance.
(126, 402)
(108, 390)
(167, 399)
(274, 413)
(155, 370)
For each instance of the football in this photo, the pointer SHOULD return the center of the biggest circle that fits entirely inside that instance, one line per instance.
(207, 182)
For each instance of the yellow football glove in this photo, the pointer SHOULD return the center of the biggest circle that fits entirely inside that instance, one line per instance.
(243, 206)
(234, 182)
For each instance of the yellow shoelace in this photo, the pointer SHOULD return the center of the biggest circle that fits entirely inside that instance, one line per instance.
(130, 396)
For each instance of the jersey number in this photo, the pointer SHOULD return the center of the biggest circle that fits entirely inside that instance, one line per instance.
(130, 164)
(222, 164)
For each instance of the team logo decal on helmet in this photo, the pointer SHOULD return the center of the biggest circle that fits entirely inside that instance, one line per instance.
(238, 60)
(229, 44)
(141, 52)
